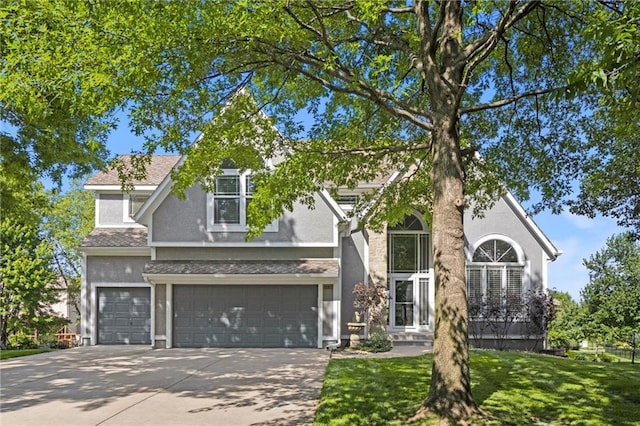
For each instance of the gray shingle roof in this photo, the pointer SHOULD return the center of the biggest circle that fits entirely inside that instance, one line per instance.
(245, 267)
(156, 171)
(116, 237)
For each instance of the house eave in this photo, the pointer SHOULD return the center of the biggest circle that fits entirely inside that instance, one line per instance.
(549, 248)
(118, 188)
(239, 279)
(116, 251)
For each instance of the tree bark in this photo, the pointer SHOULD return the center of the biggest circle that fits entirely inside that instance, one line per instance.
(450, 392)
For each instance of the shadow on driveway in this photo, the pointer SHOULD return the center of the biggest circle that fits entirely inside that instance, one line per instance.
(105, 385)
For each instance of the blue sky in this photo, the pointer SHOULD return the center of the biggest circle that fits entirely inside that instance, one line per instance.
(577, 236)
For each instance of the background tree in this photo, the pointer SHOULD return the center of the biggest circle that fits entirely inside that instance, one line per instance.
(27, 281)
(612, 297)
(566, 328)
(420, 88)
(67, 221)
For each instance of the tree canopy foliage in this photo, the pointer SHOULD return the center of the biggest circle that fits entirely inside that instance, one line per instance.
(612, 179)
(421, 88)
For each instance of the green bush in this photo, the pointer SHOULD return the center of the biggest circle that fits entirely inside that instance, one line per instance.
(604, 357)
(582, 356)
(22, 341)
(376, 343)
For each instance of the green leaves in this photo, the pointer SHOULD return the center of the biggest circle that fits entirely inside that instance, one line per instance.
(612, 297)
(27, 281)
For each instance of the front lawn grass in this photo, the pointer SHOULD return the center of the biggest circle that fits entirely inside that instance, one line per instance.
(14, 353)
(513, 388)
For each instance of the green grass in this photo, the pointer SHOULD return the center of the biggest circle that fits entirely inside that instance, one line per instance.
(14, 353)
(514, 388)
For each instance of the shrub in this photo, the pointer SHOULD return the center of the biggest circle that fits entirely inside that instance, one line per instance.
(371, 299)
(22, 341)
(48, 340)
(604, 357)
(582, 356)
(376, 343)
(579, 356)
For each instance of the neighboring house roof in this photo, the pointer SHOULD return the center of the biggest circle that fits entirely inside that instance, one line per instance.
(325, 267)
(116, 237)
(156, 171)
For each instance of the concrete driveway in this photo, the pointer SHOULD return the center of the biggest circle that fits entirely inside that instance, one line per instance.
(124, 385)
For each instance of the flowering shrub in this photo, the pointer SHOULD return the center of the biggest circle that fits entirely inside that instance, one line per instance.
(371, 299)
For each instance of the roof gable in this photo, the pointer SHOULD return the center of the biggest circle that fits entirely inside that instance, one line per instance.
(156, 171)
(549, 248)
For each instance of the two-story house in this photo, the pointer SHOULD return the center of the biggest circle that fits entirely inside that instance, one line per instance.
(166, 272)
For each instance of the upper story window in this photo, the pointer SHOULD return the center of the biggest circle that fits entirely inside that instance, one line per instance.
(495, 251)
(131, 204)
(231, 197)
(408, 245)
(347, 201)
(227, 205)
(136, 201)
(495, 276)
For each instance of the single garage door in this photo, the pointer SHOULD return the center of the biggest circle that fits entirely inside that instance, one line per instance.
(124, 316)
(245, 316)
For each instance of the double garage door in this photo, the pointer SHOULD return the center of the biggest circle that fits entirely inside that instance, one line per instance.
(245, 316)
(124, 316)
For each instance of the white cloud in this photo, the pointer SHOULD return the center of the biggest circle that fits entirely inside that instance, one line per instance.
(579, 222)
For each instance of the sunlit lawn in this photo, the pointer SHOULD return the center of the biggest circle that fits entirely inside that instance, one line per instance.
(514, 388)
(14, 353)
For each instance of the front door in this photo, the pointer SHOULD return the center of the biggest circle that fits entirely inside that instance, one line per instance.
(409, 275)
(409, 302)
(403, 303)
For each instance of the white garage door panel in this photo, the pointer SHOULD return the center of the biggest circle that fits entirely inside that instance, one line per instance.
(124, 315)
(245, 316)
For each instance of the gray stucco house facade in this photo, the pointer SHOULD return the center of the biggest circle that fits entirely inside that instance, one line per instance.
(165, 272)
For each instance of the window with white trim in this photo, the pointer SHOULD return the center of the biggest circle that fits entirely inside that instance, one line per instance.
(136, 201)
(408, 246)
(495, 275)
(347, 201)
(227, 205)
(131, 204)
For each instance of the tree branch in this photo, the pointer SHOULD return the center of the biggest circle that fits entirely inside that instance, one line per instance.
(290, 60)
(479, 49)
(506, 101)
(396, 111)
(343, 73)
(368, 150)
(397, 10)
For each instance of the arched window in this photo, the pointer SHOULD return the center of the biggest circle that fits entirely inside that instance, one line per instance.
(408, 244)
(495, 275)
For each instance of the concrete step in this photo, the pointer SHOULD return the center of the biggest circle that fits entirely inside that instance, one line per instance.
(412, 339)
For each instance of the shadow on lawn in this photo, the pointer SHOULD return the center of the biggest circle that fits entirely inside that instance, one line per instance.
(526, 389)
(514, 388)
(368, 391)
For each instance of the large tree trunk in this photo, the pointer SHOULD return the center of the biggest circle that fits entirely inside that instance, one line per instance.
(450, 392)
